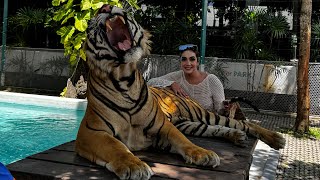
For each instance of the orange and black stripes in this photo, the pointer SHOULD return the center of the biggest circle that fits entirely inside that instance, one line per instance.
(191, 119)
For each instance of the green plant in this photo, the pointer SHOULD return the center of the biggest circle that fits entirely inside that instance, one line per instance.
(169, 28)
(315, 33)
(314, 132)
(30, 21)
(28, 17)
(73, 16)
(169, 34)
(315, 41)
(255, 34)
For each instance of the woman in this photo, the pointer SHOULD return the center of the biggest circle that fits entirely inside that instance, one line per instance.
(205, 88)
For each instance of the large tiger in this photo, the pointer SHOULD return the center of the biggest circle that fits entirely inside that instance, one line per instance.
(124, 114)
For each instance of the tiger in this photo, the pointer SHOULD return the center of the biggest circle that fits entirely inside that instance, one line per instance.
(124, 115)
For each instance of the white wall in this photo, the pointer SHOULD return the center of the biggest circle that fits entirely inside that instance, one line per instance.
(261, 78)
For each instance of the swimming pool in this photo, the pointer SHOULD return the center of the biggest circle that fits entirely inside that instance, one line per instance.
(31, 123)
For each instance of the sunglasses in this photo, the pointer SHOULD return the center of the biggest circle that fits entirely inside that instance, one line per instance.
(188, 46)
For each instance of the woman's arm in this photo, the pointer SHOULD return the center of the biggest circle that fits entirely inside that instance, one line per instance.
(217, 90)
(171, 80)
(165, 80)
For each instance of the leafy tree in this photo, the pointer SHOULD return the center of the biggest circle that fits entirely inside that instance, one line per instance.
(73, 16)
(181, 9)
(171, 23)
(256, 33)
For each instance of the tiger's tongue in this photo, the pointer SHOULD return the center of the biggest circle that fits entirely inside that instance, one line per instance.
(125, 45)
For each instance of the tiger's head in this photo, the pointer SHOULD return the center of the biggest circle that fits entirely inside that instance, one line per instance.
(114, 39)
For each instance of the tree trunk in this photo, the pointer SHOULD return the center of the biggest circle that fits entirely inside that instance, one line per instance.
(303, 98)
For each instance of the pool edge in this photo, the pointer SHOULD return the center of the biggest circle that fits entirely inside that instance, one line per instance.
(43, 100)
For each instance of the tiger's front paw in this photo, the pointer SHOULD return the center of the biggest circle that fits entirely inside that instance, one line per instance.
(130, 168)
(199, 156)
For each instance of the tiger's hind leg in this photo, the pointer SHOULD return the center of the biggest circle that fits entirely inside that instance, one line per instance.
(236, 136)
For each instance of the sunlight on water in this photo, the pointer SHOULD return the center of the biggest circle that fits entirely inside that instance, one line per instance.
(26, 129)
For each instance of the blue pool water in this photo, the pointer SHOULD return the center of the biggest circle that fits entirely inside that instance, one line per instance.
(29, 129)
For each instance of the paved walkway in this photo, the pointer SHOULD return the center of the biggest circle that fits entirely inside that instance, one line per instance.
(300, 159)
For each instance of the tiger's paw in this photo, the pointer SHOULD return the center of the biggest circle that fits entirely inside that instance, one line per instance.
(130, 168)
(239, 138)
(199, 156)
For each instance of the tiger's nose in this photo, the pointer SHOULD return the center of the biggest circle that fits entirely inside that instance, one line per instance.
(105, 9)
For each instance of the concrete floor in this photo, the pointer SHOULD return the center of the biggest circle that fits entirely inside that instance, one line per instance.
(300, 159)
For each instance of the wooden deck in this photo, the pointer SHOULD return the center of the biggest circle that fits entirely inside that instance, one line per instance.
(61, 162)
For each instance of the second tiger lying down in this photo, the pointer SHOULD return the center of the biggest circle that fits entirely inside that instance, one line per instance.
(125, 115)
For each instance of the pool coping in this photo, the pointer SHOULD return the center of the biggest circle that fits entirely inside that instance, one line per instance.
(43, 100)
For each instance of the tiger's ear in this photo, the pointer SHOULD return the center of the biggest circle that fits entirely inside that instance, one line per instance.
(146, 42)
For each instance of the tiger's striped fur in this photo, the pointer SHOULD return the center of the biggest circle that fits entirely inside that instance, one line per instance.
(125, 115)
(191, 119)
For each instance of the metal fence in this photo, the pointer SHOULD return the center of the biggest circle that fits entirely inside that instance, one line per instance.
(314, 82)
(43, 69)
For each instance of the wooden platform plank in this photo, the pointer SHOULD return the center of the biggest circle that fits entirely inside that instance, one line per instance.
(61, 162)
(68, 157)
(231, 156)
(38, 169)
(45, 170)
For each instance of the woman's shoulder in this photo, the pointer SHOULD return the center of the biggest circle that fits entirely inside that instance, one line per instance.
(213, 79)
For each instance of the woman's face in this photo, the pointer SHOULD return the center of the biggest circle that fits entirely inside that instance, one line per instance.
(189, 62)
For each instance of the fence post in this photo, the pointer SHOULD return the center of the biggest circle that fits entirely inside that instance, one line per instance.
(4, 42)
(203, 33)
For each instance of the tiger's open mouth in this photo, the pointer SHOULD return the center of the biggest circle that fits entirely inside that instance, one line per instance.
(118, 33)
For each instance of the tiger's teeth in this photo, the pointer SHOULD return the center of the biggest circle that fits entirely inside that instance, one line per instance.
(108, 27)
(113, 18)
(122, 19)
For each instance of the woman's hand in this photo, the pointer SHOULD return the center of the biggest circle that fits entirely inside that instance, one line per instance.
(176, 88)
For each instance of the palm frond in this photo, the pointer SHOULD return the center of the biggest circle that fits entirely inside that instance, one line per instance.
(27, 16)
(315, 31)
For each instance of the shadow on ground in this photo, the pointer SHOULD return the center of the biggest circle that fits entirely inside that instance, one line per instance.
(298, 170)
